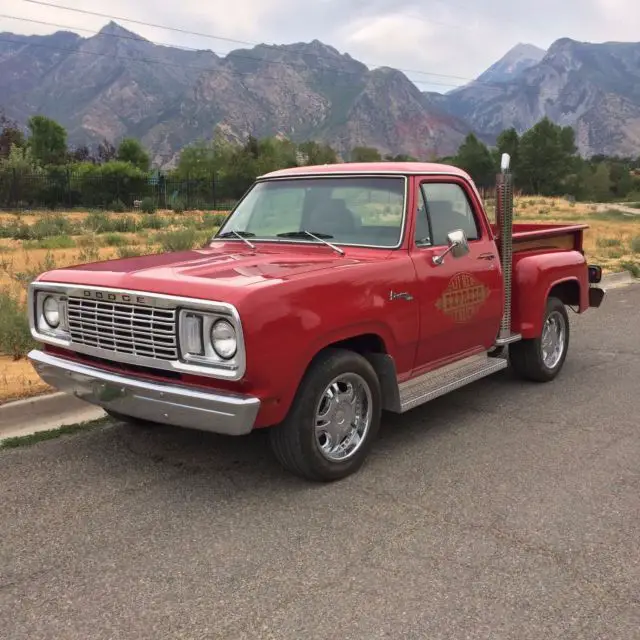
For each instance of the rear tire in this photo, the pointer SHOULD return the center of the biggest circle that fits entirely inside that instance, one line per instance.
(541, 359)
(333, 420)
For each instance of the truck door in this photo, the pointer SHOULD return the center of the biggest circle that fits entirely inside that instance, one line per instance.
(461, 299)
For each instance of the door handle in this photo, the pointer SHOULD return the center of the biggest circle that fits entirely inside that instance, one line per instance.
(486, 256)
(400, 296)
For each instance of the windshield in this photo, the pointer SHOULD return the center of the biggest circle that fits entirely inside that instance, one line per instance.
(354, 210)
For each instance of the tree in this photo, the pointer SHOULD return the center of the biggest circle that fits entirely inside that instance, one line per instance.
(131, 151)
(205, 159)
(106, 151)
(365, 154)
(400, 157)
(547, 158)
(274, 153)
(20, 159)
(316, 153)
(599, 184)
(509, 142)
(48, 141)
(196, 160)
(474, 157)
(81, 154)
(10, 135)
(622, 182)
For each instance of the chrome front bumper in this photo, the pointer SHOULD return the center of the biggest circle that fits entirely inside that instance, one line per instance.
(158, 402)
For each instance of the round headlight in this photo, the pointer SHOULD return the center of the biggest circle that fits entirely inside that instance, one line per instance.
(223, 339)
(51, 311)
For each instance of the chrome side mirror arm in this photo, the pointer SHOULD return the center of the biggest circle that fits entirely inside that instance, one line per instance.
(458, 246)
(438, 260)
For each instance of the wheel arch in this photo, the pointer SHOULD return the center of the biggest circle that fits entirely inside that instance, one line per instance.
(373, 347)
(537, 277)
(568, 291)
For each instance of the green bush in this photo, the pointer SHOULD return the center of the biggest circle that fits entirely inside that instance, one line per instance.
(604, 243)
(114, 240)
(186, 222)
(181, 240)
(51, 225)
(635, 244)
(178, 206)
(128, 251)
(16, 230)
(53, 242)
(117, 206)
(98, 184)
(148, 205)
(15, 336)
(98, 222)
(86, 241)
(153, 221)
(212, 220)
(633, 267)
(90, 253)
(124, 224)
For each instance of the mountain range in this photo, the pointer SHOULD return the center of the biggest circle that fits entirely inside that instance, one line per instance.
(117, 84)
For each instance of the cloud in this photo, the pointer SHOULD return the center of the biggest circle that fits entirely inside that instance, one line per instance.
(451, 40)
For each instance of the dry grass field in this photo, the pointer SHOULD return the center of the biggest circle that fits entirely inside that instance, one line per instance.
(35, 242)
(613, 237)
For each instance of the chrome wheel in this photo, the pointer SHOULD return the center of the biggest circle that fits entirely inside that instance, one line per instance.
(553, 339)
(343, 417)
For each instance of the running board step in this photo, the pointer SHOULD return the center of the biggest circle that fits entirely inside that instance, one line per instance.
(445, 379)
(510, 339)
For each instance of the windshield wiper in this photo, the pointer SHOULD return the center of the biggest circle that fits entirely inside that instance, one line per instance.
(243, 235)
(320, 237)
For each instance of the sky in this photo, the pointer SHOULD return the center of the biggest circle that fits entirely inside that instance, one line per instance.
(439, 43)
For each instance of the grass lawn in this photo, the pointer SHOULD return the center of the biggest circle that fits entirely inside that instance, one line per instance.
(35, 242)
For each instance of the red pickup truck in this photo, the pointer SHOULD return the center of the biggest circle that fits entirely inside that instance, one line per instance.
(330, 294)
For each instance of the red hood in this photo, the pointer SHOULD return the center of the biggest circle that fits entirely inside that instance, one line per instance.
(223, 271)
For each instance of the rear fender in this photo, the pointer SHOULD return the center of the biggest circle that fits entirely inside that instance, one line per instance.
(539, 275)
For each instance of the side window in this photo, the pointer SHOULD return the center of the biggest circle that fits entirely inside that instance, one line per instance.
(449, 209)
(423, 229)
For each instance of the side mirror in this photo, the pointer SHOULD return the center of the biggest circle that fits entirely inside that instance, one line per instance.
(458, 246)
(458, 243)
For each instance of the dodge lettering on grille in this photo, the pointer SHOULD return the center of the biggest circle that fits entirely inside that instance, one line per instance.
(114, 297)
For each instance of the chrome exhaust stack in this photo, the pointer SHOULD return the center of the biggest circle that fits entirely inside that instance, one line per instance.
(504, 220)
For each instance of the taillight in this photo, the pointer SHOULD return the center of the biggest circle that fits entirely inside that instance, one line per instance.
(595, 273)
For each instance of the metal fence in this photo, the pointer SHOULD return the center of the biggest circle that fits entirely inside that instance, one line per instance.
(64, 189)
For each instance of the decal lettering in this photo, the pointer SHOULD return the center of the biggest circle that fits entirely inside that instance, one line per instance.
(115, 297)
(462, 298)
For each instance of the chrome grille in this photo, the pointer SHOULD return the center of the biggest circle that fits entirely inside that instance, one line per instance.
(123, 328)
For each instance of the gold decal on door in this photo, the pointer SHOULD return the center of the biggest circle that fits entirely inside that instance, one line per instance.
(463, 297)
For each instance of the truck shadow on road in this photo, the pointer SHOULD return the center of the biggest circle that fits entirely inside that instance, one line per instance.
(248, 460)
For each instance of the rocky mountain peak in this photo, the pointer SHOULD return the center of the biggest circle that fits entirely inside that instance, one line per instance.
(113, 29)
(169, 97)
(518, 59)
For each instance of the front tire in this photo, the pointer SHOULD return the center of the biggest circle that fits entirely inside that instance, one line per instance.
(541, 359)
(333, 420)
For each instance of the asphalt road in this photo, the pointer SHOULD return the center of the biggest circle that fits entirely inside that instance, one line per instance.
(504, 510)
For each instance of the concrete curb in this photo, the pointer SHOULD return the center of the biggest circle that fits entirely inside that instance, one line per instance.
(51, 411)
(55, 410)
(619, 279)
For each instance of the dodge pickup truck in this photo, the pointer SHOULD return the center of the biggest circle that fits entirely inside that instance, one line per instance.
(331, 294)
